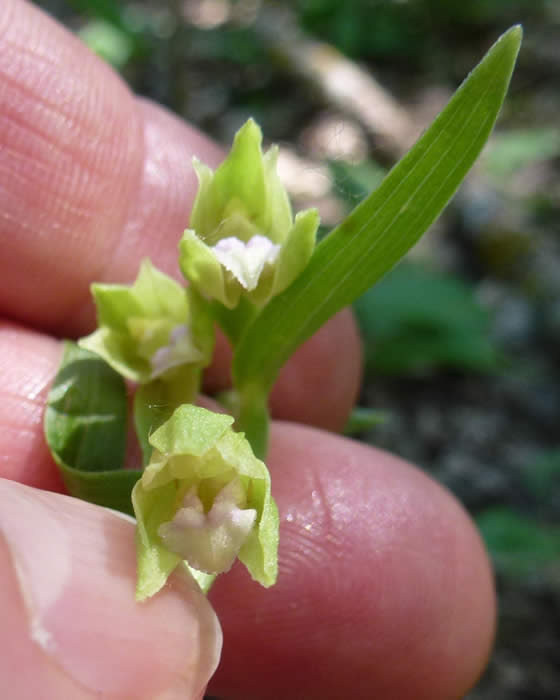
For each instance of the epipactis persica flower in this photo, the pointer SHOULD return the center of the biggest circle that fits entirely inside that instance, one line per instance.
(204, 499)
(243, 239)
(150, 328)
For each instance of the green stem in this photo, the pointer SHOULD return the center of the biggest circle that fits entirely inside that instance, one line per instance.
(155, 401)
(234, 321)
(253, 418)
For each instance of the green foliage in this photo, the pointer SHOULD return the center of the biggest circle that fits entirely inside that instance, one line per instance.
(377, 29)
(364, 28)
(109, 31)
(108, 42)
(362, 419)
(512, 150)
(542, 478)
(383, 227)
(519, 546)
(353, 182)
(417, 320)
(106, 10)
(86, 427)
(87, 397)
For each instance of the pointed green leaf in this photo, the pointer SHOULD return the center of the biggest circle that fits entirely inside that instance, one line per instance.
(386, 225)
(85, 429)
(87, 401)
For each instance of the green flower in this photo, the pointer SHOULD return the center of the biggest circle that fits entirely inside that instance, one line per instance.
(149, 329)
(243, 239)
(203, 499)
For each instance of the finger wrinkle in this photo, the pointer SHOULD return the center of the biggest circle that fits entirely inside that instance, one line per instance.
(160, 205)
(70, 158)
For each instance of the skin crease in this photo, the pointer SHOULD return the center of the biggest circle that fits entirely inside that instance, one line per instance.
(384, 589)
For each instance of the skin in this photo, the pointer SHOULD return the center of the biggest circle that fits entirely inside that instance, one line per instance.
(384, 590)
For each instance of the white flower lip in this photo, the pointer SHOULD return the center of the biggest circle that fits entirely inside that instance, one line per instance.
(210, 541)
(246, 261)
(180, 350)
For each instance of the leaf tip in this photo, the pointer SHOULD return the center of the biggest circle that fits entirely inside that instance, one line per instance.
(513, 34)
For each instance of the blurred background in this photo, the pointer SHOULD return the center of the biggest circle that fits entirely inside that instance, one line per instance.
(463, 338)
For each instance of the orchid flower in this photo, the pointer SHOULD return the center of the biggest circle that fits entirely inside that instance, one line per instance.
(204, 499)
(243, 239)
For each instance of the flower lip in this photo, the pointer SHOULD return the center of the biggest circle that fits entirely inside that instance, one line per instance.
(211, 541)
(180, 350)
(246, 261)
(204, 499)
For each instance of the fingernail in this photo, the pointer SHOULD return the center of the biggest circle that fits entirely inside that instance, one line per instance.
(75, 565)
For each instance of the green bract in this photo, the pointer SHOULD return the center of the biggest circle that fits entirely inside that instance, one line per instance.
(146, 330)
(242, 237)
(204, 498)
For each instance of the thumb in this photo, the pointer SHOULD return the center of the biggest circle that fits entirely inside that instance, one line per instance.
(70, 624)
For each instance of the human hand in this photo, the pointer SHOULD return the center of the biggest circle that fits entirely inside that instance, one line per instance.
(384, 589)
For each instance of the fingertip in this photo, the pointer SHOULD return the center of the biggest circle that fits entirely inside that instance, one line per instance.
(27, 364)
(384, 590)
(91, 179)
(69, 570)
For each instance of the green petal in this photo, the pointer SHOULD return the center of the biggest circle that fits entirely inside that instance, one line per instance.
(119, 351)
(152, 295)
(279, 216)
(200, 266)
(191, 430)
(240, 178)
(259, 553)
(245, 186)
(205, 215)
(155, 563)
(297, 250)
(159, 294)
(263, 291)
(115, 303)
(238, 226)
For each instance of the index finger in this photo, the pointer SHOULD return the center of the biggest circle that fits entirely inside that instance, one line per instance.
(91, 179)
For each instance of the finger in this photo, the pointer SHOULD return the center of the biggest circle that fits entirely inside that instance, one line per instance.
(70, 625)
(28, 363)
(384, 588)
(92, 181)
